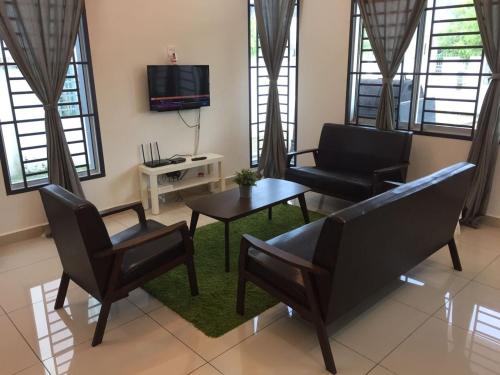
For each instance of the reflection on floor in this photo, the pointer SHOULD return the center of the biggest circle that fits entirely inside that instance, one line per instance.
(432, 320)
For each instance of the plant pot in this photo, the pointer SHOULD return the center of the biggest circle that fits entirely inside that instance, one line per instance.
(245, 192)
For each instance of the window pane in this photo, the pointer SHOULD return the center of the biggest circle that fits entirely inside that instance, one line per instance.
(12, 154)
(5, 107)
(442, 87)
(259, 88)
(31, 127)
(34, 154)
(26, 99)
(22, 121)
(29, 113)
(71, 123)
(33, 140)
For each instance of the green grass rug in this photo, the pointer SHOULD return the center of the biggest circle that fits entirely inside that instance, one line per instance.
(213, 311)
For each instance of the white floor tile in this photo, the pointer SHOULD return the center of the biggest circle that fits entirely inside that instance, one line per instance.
(491, 275)
(476, 308)
(38, 369)
(380, 329)
(288, 346)
(27, 252)
(50, 331)
(208, 369)
(143, 300)
(15, 354)
(427, 287)
(27, 285)
(474, 259)
(141, 346)
(113, 226)
(486, 237)
(441, 349)
(209, 347)
(379, 370)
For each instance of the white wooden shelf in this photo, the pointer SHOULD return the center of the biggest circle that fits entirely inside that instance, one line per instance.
(151, 187)
(168, 187)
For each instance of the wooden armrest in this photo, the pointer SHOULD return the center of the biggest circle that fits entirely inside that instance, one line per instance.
(391, 169)
(282, 256)
(136, 206)
(395, 172)
(393, 184)
(141, 240)
(290, 155)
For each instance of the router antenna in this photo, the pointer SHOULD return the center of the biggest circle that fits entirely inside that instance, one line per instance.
(143, 157)
(151, 151)
(158, 151)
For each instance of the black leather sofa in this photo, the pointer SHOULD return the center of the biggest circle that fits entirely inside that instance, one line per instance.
(352, 162)
(326, 268)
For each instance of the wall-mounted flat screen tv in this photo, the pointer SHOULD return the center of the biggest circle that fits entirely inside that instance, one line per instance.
(176, 87)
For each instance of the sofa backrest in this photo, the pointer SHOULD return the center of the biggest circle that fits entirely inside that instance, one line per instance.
(79, 233)
(362, 149)
(373, 242)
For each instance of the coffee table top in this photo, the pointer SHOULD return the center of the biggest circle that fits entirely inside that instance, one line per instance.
(228, 206)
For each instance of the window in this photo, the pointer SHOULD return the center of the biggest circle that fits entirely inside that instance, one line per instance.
(441, 82)
(259, 87)
(22, 125)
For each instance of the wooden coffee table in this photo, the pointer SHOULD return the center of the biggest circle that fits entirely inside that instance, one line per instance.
(227, 206)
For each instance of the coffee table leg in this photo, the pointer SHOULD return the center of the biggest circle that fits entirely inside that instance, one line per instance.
(303, 207)
(226, 244)
(270, 213)
(194, 221)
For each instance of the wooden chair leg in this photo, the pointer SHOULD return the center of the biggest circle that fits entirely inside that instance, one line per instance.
(455, 258)
(240, 299)
(324, 344)
(63, 289)
(193, 283)
(101, 322)
(318, 322)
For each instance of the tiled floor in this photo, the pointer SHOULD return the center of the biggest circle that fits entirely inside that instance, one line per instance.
(432, 321)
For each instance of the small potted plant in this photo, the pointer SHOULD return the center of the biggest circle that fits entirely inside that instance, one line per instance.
(246, 179)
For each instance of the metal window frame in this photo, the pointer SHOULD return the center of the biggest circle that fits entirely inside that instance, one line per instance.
(289, 125)
(419, 128)
(92, 116)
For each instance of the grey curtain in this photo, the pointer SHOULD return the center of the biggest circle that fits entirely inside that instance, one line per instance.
(40, 35)
(484, 148)
(390, 25)
(274, 18)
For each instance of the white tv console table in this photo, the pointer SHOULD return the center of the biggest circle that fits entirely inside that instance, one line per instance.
(149, 176)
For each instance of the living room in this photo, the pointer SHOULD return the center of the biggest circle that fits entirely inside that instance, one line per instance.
(391, 335)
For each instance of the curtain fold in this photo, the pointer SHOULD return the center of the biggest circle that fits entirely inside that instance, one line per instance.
(274, 18)
(40, 36)
(484, 148)
(390, 25)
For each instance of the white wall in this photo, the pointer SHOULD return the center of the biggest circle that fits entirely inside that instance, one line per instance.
(126, 35)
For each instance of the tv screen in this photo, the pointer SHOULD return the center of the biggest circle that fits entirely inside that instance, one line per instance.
(175, 87)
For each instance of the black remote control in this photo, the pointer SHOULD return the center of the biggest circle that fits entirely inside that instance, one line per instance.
(199, 158)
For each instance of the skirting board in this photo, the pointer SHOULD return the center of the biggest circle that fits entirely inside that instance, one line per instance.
(492, 221)
(23, 234)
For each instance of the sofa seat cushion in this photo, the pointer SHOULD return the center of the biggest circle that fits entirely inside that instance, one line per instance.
(345, 184)
(145, 258)
(300, 242)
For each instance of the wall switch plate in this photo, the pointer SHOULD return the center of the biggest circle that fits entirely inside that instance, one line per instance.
(172, 54)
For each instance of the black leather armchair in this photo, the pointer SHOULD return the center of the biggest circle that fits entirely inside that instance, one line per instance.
(352, 162)
(108, 268)
(326, 268)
